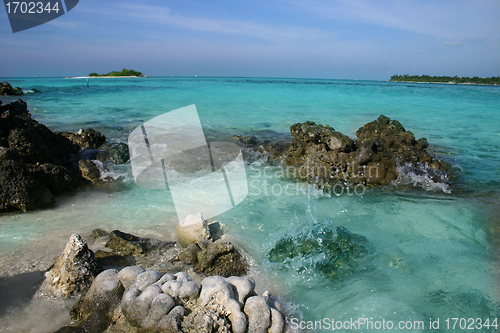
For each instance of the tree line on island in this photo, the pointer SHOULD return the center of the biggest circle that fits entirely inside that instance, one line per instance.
(124, 72)
(445, 79)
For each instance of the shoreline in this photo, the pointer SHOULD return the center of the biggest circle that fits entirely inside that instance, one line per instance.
(130, 209)
(104, 77)
(451, 83)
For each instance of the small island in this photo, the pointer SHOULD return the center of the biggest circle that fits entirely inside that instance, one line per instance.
(124, 73)
(446, 79)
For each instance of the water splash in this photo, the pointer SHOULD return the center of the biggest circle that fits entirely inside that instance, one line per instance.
(422, 175)
(322, 249)
(111, 171)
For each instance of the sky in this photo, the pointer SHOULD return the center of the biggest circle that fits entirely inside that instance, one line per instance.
(351, 39)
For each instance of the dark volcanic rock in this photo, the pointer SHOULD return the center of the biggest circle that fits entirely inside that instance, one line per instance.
(35, 142)
(247, 140)
(221, 258)
(323, 156)
(124, 243)
(117, 154)
(7, 90)
(214, 258)
(188, 255)
(128, 244)
(110, 259)
(18, 188)
(123, 249)
(96, 234)
(39, 163)
(57, 178)
(89, 138)
(308, 132)
(389, 132)
(89, 170)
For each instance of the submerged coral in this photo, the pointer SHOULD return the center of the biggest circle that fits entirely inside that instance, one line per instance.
(135, 300)
(332, 252)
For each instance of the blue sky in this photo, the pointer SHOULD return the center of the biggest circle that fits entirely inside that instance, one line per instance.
(352, 39)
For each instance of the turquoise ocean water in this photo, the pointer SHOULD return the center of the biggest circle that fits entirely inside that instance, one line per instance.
(434, 253)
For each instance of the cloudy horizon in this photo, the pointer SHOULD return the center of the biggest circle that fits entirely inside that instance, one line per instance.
(356, 39)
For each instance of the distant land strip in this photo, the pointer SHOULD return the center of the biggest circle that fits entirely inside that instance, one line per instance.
(446, 79)
(124, 72)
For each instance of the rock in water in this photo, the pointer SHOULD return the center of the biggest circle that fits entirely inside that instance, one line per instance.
(214, 258)
(321, 155)
(39, 163)
(89, 138)
(127, 249)
(7, 90)
(18, 188)
(333, 252)
(126, 244)
(34, 142)
(188, 255)
(96, 234)
(73, 271)
(89, 170)
(57, 178)
(117, 153)
(220, 258)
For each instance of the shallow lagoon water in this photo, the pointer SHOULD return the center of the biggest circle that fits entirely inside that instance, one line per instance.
(433, 254)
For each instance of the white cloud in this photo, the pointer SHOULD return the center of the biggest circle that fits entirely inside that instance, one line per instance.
(450, 43)
(61, 23)
(445, 19)
(164, 17)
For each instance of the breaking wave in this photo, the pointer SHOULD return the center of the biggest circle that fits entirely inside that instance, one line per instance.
(422, 175)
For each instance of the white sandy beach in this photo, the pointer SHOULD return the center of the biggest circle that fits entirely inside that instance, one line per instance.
(102, 77)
